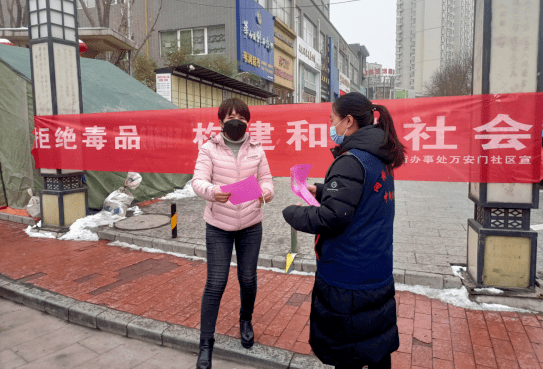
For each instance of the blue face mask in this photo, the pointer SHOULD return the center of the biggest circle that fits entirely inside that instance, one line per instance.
(334, 136)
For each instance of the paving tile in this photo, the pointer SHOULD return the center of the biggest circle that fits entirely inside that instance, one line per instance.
(503, 349)
(459, 325)
(476, 319)
(406, 343)
(497, 330)
(529, 320)
(442, 349)
(461, 343)
(441, 331)
(520, 342)
(423, 321)
(423, 335)
(513, 324)
(443, 364)
(493, 317)
(440, 316)
(401, 360)
(423, 307)
(463, 360)
(534, 334)
(457, 312)
(527, 360)
(538, 351)
(437, 304)
(406, 311)
(405, 326)
(484, 356)
(507, 364)
(421, 356)
(480, 337)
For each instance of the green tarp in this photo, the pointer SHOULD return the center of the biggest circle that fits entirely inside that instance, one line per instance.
(106, 88)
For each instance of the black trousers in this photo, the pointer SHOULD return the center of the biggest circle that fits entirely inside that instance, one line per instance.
(219, 244)
(385, 363)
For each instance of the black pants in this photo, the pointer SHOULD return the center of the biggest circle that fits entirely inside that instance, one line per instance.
(385, 363)
(219, 244)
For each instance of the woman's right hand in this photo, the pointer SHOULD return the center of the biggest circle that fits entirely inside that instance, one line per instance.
(221, 196)
(312, 190)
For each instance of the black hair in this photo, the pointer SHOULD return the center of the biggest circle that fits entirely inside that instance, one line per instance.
(236, 104)
(361, 109)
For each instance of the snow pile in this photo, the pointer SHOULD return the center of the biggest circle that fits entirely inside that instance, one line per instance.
(455, 296)
(185, 192)
(83, 229)
(489, 290)
(458, 270)
(136, 209)
(31, 231)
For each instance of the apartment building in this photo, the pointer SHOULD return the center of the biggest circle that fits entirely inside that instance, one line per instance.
(430, 34)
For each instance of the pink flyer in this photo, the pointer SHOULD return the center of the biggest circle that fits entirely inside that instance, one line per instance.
(243, 191)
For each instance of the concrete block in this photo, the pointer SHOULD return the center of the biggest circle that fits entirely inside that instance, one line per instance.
(306, 361)
(106, 234)
(279, 261)
(35, 298)
(183, 248)
(146, 329)
(125, 237)
(309, 266)
(143, 241)
(200, 251)
(85, 314)
(265, 260)
(399, 275)
(15, 219)
(182, 338)
(59, 306)
(4, 216)
(28, 221)
(424, 279)
(259, 356)
(114, 321)
(13, 291)
(450, 281)
(297, 264)
(164, 245)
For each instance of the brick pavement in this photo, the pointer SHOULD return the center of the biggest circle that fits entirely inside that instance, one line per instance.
(168, 288)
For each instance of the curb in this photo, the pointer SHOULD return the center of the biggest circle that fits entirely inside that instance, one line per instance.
(150, 330)
(302, 262)
(17, 219)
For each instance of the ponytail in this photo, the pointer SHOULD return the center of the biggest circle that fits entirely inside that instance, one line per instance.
(391, 142)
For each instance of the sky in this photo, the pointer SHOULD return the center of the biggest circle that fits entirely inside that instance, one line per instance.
(371, 23)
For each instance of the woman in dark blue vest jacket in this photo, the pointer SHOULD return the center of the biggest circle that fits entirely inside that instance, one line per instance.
(353, 310)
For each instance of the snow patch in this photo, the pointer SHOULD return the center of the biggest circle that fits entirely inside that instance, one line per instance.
(185, 192)
(136, 209)
(488, 290)
(83, 229)
(457, 297)
(458, 270)
(537, 227)
(34, 233)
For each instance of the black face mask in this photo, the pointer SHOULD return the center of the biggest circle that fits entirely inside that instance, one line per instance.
(235, 129)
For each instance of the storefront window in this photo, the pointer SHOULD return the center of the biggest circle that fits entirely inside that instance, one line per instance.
(197, 41)
(310, 80)
(282, 10)
(322, 44)
(261, 2)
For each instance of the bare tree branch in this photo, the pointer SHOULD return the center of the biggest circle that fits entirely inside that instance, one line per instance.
(453, 79)
(150, 31)
(105, 13)
(87, 13)
(10, 12)
(2, 25)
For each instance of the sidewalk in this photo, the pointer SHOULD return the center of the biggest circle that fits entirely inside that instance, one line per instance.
(156, 298)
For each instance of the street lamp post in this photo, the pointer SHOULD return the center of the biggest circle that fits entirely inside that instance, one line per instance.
(56, 87)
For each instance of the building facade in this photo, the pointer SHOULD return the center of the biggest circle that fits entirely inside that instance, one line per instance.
(429, 35)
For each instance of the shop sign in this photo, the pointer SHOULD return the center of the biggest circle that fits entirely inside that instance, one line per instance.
(344, 83)
(164, 85)
(283, 38)
(308, 55)
(284, 69)
(255, 36)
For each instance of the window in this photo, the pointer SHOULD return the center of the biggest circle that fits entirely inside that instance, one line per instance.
(355, 75)
(345, 65)
(322, 44)
(340, 66)
(261, 2)
(335, 53)
(197, 41)
(310, 33)
(88, 4)
(310, 80)
(282, 9)
(298, 24)
(351, 72)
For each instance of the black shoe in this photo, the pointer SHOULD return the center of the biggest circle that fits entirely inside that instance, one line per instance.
(206, 351)
(247, 334)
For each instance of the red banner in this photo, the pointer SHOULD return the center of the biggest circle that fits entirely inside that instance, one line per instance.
(484, 138)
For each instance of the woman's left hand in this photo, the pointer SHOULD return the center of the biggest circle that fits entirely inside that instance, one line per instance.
(267, 197)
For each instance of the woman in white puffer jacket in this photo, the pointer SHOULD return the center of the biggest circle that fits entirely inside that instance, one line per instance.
(227, 158)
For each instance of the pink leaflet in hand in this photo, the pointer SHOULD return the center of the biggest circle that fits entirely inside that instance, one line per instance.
(243, 191)
(298, 183)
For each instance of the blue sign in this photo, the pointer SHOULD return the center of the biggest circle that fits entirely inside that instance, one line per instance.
(334, 80)
(255, 36)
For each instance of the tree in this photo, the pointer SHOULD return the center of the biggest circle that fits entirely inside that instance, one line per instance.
(217, 62)
(454, 79)
(144, 70)
(17, 14)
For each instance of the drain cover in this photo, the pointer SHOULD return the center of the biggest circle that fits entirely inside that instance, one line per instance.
(144, 221)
